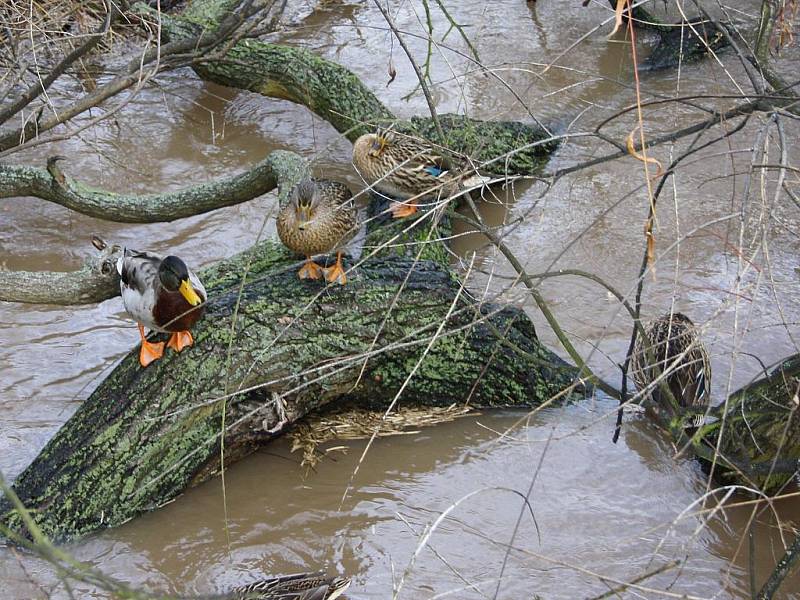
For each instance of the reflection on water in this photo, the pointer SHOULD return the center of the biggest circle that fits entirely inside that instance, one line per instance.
(601, 509)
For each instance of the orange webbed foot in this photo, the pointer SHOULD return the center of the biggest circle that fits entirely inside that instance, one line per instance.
(403, 209)
(149, 351)
(310, 270)
(180, 340)
(336, 272)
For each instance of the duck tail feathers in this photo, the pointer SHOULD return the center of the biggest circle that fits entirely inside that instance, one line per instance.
(476, 180)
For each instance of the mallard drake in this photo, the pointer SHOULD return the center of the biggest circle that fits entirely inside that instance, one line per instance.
(407, 168)
(162, 294)
(320, 216)
(302, 586)
(679, 354)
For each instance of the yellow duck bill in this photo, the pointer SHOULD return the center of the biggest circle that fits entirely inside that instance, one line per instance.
(187, 291)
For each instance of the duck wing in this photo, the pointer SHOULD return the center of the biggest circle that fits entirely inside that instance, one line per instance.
(420, 157)
(344, 212)
(423, 159)
(197, 285)
(692, 377)
(138, 271)
(139, 284)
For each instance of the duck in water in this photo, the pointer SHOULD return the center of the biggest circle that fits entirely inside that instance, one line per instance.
(302, 586)
(679, 357)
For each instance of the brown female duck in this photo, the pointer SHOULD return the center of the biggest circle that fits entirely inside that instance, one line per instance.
(302, 586)
(679, 357)
(407, 168)
(320, 216)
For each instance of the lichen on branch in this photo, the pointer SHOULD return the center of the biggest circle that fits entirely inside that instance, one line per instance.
(54, 185)
(338, 96)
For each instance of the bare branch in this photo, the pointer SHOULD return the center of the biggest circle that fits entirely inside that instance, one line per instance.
(96, 281)
(53, 185)
(41, 85)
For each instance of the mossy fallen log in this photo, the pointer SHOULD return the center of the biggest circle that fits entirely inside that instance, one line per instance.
(146, 434)
(337, 95)
(759, 431)
(271, 348)
(753, 439)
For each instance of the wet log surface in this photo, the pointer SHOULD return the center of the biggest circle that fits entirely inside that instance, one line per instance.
(146, 434)
(760, 432)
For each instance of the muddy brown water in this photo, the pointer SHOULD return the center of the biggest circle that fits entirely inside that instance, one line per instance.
(604, 513)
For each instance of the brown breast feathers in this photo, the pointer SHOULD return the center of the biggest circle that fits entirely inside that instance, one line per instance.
(172, 312)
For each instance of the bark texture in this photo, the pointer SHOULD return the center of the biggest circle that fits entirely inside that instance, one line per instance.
(146, 434)
(760, 432)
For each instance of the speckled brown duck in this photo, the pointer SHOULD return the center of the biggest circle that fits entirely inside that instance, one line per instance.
(407, 168)
(679, 355)
(320, 217)
(302, 586)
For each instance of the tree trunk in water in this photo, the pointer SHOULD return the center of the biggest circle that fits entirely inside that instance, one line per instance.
(146, 434)
(760, 433)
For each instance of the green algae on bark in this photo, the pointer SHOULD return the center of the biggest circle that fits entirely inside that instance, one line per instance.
(760, 431)
(146, 434)
(337, 95)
